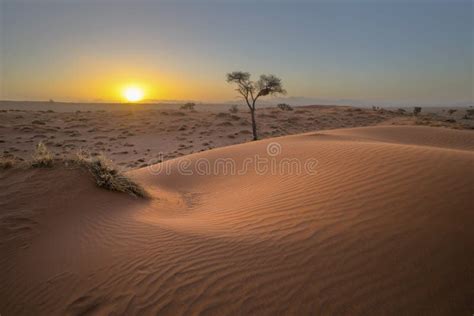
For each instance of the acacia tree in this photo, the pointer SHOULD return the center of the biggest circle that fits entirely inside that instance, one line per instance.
(250, 91)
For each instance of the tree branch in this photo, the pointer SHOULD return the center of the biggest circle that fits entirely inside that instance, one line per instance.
(245, 94)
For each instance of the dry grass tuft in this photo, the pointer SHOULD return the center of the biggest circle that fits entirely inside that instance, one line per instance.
(42, 157)
(107, 176)
(7, 162)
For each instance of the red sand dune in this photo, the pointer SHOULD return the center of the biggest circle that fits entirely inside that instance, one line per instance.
(385, 226)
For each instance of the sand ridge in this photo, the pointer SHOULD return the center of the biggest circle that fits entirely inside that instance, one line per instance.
(382, 227)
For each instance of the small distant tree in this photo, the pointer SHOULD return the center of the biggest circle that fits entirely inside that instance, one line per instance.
(285, 107)
(416, 110)
(188, 106)
(251, 91)
(234, 108)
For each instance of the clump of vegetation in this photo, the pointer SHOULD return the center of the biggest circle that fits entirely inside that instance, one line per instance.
(285, 107)
(234, 108)
(188, 106)
(401, 111)
(470, 112)
(416, 110)
(223, 115)
(107, 176)
(452, 111)
(7, 162)
(105, 173)
(42, 157)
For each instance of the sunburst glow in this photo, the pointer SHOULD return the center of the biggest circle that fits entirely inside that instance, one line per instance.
(133, 94)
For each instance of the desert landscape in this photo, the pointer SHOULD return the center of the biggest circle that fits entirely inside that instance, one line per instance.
(236, 158)
(380, 226)
(138, 135)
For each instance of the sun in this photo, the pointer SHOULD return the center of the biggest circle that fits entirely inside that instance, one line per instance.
(133, 94)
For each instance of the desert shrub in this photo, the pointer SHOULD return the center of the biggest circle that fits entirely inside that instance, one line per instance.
(285, 107)
(42, 157)
(188, 106)
(401, 111)
(470, 112)
(234, 108)
(107, 176)
(7, 162)
(416, 110)
(223, 115)
(452, 111)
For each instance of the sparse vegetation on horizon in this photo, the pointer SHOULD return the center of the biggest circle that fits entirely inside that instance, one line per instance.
(285, 107)
(401, 111)
(416, 110)
(234, 109)
(188, 106)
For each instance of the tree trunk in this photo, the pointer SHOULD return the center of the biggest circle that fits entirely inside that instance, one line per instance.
(254, 125)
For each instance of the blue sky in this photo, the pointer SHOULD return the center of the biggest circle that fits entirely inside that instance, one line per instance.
(384, 51)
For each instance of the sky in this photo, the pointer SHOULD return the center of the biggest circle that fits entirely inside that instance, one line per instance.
(366, 51)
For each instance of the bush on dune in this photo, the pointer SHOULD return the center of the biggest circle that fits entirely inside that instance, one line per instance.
(42, 157)
(107, 176)
(7, 162)
(104, 172)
